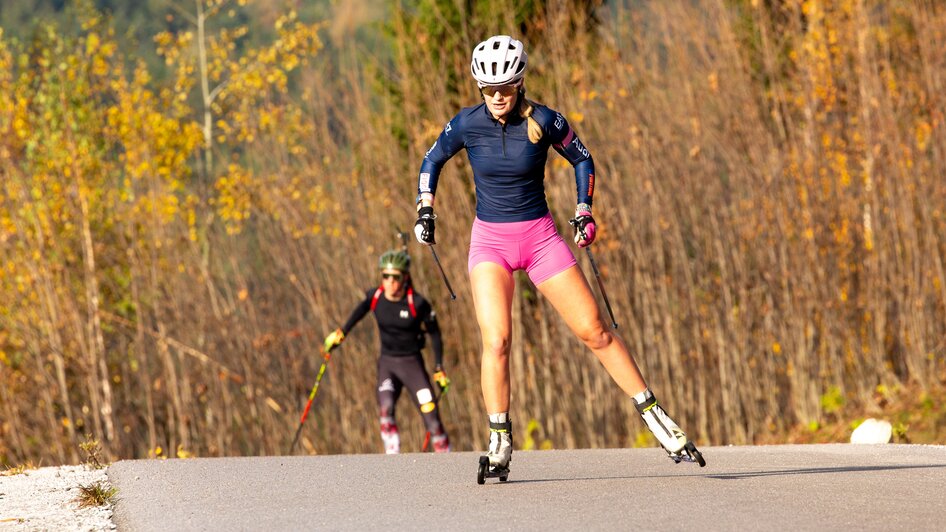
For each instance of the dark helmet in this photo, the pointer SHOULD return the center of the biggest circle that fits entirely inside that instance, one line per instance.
(394, 259)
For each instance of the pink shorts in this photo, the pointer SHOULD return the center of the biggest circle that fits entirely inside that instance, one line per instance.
(534, 246)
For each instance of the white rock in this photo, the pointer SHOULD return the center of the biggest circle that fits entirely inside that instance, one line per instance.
(872, 431)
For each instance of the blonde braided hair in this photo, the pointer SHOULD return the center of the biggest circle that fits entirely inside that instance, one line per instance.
(525, 110)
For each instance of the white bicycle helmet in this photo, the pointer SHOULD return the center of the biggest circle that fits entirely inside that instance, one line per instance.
(498, 60)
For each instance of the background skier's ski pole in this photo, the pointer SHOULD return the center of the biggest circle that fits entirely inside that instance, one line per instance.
(437, 403)
(326, 356)
(437, 260)
(604, 295)
(402, 236)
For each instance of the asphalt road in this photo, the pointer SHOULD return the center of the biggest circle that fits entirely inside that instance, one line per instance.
(786, 487)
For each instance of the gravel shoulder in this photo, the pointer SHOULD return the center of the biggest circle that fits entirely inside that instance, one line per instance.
(46, 499)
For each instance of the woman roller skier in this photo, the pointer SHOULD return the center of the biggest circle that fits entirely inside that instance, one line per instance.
(507, 138)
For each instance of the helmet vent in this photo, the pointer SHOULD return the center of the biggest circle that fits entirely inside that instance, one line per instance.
(395, 260)
(506, 67)
(494, 69)
(495, 45)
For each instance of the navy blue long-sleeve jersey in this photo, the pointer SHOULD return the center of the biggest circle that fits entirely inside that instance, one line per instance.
(508, 170)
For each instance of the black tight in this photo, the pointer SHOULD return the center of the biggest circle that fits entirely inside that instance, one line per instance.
(395, 373)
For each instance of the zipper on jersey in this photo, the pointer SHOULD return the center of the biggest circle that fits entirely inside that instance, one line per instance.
(504, 140)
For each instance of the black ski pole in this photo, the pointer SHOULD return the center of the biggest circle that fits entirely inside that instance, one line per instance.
(437, 260)
(594, 266)
(402, 236)
(315, 390)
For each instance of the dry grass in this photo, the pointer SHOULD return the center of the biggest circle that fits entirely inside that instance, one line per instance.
(93, 450)
(19, 469)
(96, 494)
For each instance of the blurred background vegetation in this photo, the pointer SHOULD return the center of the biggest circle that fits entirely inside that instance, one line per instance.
(194, 192)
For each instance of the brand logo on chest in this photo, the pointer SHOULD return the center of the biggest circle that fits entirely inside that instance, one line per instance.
(405, 314)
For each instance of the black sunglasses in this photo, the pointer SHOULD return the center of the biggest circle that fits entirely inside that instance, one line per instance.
(395, 276)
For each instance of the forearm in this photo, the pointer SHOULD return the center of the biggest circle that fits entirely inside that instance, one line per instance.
(427, 183)
(585, 181)
(436, 340)
(436, 344)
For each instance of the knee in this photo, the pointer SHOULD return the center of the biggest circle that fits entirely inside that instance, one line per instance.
(425, 399)
(596, 336)
(496, 347)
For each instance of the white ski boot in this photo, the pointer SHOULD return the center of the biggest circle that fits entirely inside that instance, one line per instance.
(495, 463)
(441, 443)
(390, 435)
(671, 437)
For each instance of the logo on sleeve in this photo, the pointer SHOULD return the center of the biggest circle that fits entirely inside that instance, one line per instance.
(448, 128)
(424, 184)
(581, 148)
(559, 121)
(431, 149)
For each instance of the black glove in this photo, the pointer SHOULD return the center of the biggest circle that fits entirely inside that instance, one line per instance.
(424, 226)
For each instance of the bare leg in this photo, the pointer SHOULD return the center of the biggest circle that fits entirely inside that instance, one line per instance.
(571, 296)
(493, 288)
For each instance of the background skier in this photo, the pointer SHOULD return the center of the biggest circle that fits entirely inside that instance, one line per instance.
(403, 317)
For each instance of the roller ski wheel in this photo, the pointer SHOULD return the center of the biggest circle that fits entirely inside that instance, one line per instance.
(689, 453)
(485, 471)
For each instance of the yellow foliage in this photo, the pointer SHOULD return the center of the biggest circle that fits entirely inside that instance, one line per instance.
(234, 199)
(923, 133)
(183, 453)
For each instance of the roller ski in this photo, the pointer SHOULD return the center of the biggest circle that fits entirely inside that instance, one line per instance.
(671, 437)
(495, 463)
